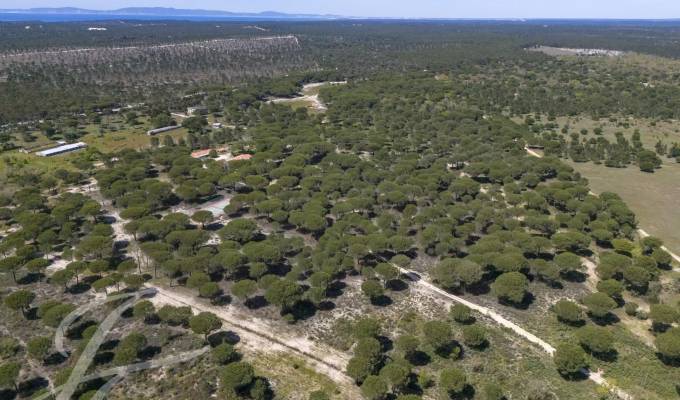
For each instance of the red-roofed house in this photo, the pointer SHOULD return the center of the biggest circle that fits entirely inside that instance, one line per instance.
(201, 153)
(242, 157)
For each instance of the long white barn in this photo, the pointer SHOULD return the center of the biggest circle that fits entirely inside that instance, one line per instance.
(62, 149)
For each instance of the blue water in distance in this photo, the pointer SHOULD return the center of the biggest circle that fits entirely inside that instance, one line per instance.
(65, 17)
(29, 17)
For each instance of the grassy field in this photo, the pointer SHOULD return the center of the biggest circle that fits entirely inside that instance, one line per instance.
(300, 102)
(111, 136)
(124, 136)
(135, 139)
(650, 131)
(653, 197)
(21, 161)
(291, 377)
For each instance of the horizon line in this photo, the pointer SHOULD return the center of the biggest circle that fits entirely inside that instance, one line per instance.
(302, 15)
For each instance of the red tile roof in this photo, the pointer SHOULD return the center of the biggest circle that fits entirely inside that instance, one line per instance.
(200, 153)
(242, 157)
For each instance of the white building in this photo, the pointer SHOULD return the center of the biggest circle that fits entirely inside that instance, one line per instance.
(66, 148)
(153, 132)
(198, 110)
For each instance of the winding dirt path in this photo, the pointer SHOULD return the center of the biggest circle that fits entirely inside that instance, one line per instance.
(258, 335)
(415, 277)
(504, 322)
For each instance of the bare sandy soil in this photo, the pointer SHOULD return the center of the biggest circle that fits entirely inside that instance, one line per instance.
(310, 96)
(257, 335)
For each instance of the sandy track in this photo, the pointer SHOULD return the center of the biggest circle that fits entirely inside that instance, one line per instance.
(591, 273)
(415, 277)
(644, 234)
(258, 335)
(504, 322)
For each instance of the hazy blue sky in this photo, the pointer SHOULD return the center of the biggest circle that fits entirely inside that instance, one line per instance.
(403, 8)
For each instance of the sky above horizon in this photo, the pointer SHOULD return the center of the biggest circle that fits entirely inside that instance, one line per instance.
(400, 8)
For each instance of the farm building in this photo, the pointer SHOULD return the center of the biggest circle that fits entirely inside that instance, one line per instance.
(66, 148)
(242, 157)
(198, 110)
(153, 132)
(201, 153)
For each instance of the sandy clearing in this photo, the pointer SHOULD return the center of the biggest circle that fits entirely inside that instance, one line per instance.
(314, 100)
(214, 206)
(257, 335)
(310, 96)
(57, 265)
(591, 278)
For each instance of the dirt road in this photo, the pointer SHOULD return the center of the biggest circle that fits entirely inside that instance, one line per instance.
(504, 322)
(415, 277)
(259, 335)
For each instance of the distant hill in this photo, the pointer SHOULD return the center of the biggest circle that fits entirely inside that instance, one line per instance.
(159, 12)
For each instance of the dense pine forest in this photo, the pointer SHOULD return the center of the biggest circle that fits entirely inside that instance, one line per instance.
(53, 68)
(339, 210)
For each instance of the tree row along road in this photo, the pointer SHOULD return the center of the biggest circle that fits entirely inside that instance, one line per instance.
(640, 232)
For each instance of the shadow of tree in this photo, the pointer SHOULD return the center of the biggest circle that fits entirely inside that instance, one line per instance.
(419, 358)
(381, 301)
(29, 387)
(256, 302)
(397, 285)
(7, 394)
(220, 337)
(609, 356)
(303, 310)
(103, 357)
(55, 359)
(29, 278)
(608, 319)
(79, 288)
